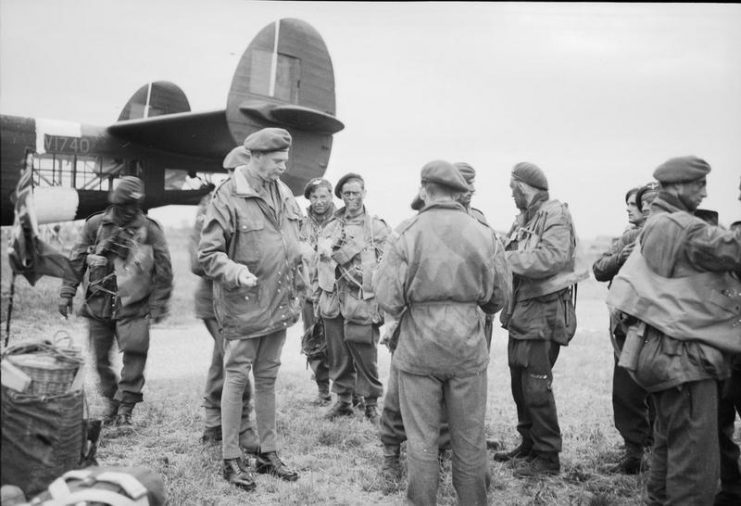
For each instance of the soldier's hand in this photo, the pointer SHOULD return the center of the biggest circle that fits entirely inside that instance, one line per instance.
(626, 251)
(65, 307)
(246, 278)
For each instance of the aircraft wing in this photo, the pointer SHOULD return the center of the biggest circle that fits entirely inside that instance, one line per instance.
(199, 134)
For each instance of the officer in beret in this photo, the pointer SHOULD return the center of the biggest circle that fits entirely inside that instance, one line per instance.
(435, 276)
(391, 425)
(250, 248)
(124, 264)
(204, 309)
(349, 249)
(681, 321)
(541, 251)
(633, 414)
(321, 210)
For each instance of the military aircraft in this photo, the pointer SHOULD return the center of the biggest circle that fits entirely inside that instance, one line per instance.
(284, 79)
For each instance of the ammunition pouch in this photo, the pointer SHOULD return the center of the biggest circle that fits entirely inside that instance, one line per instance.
(328, 304)
(314, 342)
(357, 309)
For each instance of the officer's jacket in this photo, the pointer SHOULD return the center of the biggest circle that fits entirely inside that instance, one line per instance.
(347, 263)
(541, 251)
(676, 245)
(102, 296)
(242, 231)
(436, 274)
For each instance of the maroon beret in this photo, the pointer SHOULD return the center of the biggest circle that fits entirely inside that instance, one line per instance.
(268, 139)
(316, 183)
(236, 157)
(681, 170)
(530, 174)
(344, 179)
(129, 189)
(468, 172)
(445, 174)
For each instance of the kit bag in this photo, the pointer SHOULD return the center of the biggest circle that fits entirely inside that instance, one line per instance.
(111, 486)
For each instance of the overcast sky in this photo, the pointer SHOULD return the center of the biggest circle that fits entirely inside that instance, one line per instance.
(597, 95)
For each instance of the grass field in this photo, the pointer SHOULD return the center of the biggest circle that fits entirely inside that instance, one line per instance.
(339, 462)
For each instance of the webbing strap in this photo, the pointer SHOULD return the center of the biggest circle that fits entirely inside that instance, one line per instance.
(62, 495)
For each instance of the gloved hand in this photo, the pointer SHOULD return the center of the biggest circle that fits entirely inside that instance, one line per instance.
(65, 306)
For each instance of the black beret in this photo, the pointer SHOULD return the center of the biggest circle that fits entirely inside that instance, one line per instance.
(468, 172)
(530, 174)
(236, 157)
(268, 139)
(681, 170)
(129, 189)
(316, 183)
(343, 180)
(445, 174)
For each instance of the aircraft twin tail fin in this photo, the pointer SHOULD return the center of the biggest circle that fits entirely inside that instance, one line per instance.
(284, 79)
(155, 99)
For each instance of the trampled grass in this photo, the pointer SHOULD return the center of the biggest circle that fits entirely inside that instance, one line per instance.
(339, 461)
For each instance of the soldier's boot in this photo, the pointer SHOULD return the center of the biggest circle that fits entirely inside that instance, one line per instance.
(211, 435)
(542, 464)
(340, 408)
(236, 474)
(521, 452)
(269, 463)
(371, 413)
(323, 398)
(493, 444)
(391, 470)
(123, 418)
(629, 463)
(358, 402)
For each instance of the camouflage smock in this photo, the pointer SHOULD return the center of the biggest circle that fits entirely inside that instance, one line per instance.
(98, 229)
(436, 274)
(242, 231)
(540, 250)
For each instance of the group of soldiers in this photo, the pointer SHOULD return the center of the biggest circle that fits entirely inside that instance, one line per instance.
(436, 281)
(675, 320)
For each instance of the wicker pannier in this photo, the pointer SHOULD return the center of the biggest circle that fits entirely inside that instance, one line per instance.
(51, 368)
